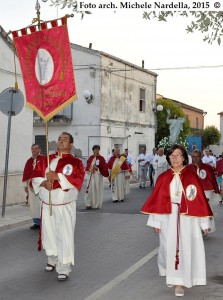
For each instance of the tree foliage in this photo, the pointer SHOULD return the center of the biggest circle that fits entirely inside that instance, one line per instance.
(72, 4)
(209, 23)
(163, 127)
(211, 136)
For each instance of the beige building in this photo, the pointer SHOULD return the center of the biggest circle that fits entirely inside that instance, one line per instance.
(194, 114)
(218, 149)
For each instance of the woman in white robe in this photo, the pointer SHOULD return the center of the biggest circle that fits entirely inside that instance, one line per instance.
(179, 220)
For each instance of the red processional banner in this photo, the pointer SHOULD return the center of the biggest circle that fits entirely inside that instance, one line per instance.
(46, 63)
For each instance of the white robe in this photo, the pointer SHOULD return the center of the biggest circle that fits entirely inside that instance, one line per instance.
(159, 166)
(58, 229)
(127, 186)
(34, 200)
(192, 267)
(94, 197)
(118, 187)
(34, 204)
(118, 183)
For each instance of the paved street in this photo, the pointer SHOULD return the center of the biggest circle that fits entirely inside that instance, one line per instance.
(115, 258)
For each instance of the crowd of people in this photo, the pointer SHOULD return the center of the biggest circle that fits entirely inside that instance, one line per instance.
(179, 210)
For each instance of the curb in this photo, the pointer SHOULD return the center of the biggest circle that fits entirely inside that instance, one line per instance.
(15, 224)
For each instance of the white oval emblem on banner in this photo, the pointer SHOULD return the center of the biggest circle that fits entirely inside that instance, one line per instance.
(202, 174)
(67, 170)
(97, 162)
(44, 66)
(191, 192)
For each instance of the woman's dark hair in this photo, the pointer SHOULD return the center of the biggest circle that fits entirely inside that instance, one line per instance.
(96, 147)
(182, 149)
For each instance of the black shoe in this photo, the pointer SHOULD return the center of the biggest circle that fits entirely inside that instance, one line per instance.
(114, 201)
(49, 268)
(140, 186)
(62, 277)
(88, 207)
(122, 200)
(35, 226)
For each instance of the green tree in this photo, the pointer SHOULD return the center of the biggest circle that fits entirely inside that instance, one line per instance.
(163, 127)
(209, 23)
(72, 4)
(210, 136)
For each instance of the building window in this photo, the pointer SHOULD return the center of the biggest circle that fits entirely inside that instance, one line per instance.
(65, 116)
(41, 141)
(197, 123)
(142, 100)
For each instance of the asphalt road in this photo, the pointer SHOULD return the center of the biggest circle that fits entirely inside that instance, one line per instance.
(115, 256)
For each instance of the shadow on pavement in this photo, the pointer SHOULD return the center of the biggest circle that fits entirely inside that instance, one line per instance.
(131, 205)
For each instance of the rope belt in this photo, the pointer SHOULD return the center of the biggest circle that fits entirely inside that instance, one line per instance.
(178, 236)
(57, 204)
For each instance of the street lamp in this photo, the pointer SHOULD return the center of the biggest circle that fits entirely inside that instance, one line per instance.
(157, 108)
(88, 96)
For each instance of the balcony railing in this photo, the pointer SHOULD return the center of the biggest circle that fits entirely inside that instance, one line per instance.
(64, 117)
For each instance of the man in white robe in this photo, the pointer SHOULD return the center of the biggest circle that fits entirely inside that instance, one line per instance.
(32, 198)
(130, 162)
(96, 170)
(143, 167)
(58, 188)
(160, 164)
(118, 170)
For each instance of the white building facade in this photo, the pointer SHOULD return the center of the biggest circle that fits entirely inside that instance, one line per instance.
(21, 128)
(121, 112)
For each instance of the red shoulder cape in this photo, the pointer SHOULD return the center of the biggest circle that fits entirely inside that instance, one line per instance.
(207, 177)
(219, 167)
(124, 165)
(159, 202)
(28, 169)
(75, 176)
(102, 165)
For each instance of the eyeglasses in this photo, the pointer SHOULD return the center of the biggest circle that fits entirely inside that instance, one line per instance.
(175, 156)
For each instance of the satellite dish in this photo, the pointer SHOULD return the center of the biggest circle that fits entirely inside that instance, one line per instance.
(11, 101)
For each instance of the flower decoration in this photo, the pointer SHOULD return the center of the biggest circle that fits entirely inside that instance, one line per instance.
(165, 143)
